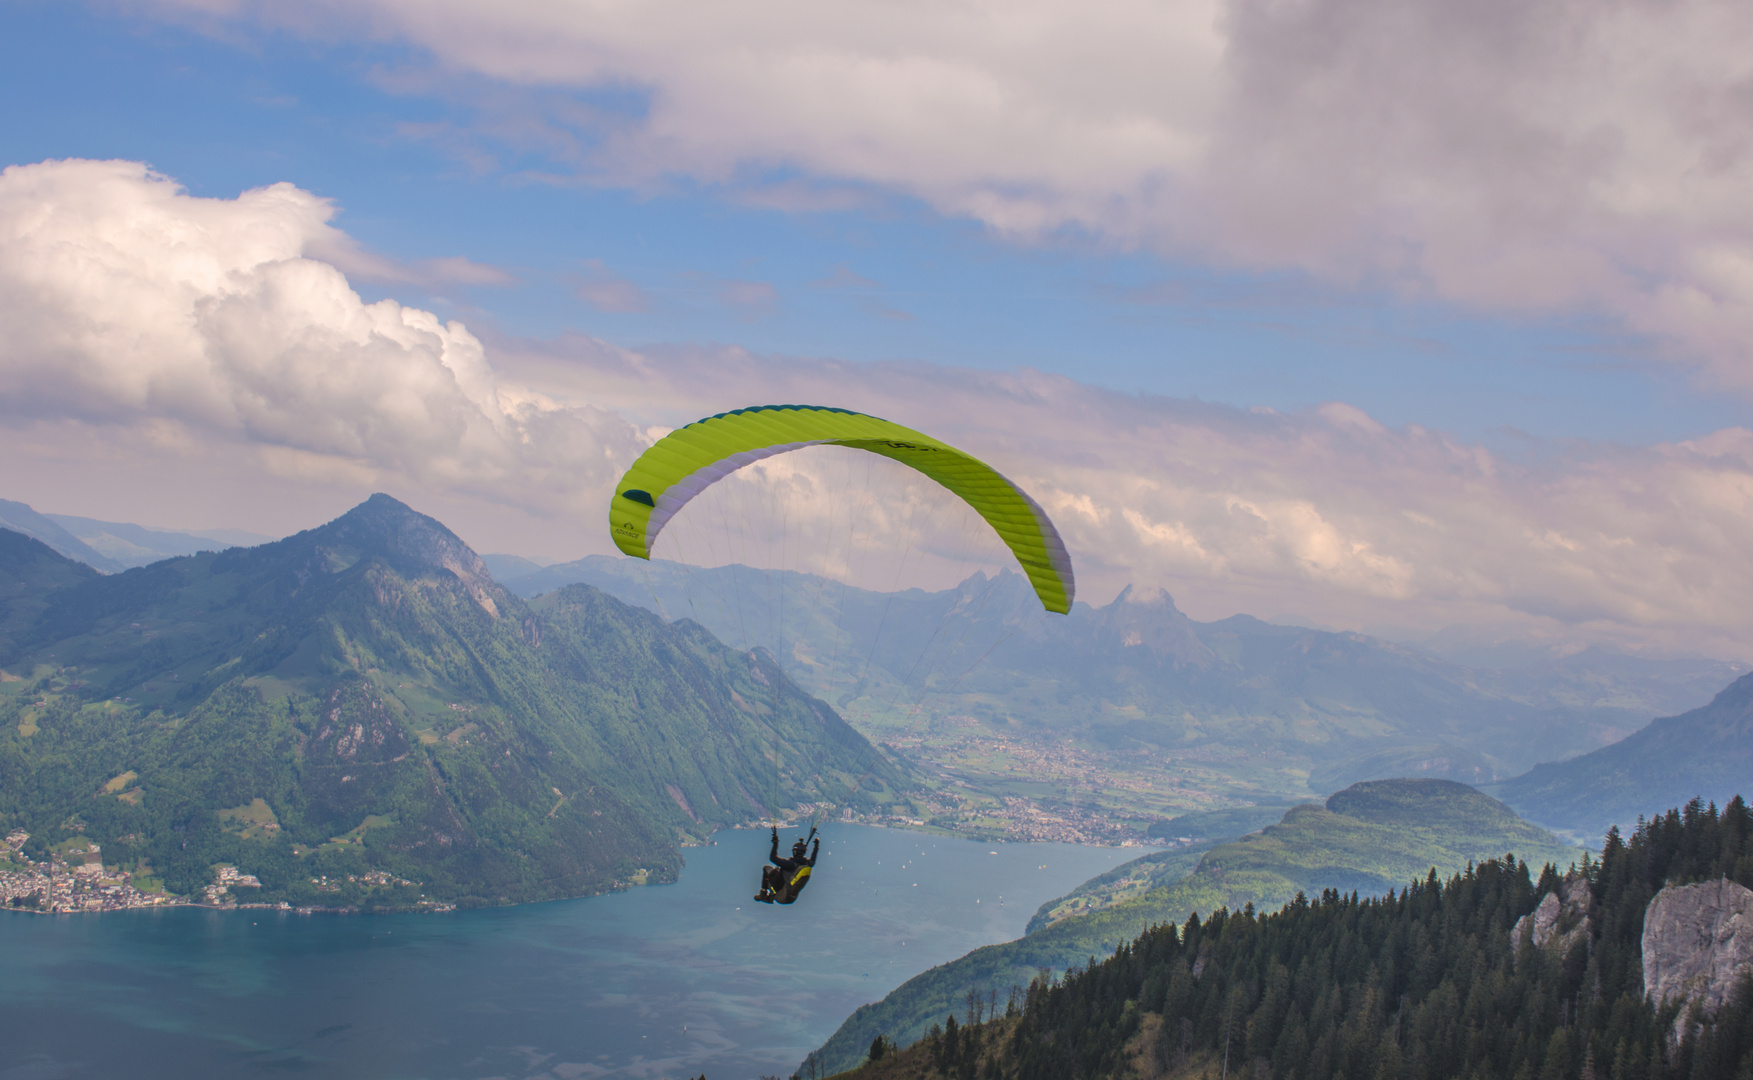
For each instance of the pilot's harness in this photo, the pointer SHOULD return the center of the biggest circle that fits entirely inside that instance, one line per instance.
(799, 878)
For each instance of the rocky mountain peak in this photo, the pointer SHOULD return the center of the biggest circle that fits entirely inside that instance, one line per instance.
(412, 542)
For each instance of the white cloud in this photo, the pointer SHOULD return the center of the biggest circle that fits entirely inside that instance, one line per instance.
(168, 351)
(127, 302)
(1552, 156)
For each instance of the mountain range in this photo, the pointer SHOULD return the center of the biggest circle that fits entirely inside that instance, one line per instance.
(361, 703)
(1319, 707)
(1313, 710)
(1331, 707)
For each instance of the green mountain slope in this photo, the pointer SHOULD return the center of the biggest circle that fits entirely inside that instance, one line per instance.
(1707, 752)
(1372, 837)
(362, 700)
(1192, 835)
(30, 572)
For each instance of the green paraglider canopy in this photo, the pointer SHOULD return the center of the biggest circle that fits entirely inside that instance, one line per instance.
(689, 460)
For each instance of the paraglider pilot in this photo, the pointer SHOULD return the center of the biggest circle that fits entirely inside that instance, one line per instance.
(781, 882)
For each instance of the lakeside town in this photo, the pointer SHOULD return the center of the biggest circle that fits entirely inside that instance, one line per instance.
(76, 880)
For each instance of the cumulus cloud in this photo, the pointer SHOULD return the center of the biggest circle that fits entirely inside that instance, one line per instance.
(128, 302)
(1566, 155)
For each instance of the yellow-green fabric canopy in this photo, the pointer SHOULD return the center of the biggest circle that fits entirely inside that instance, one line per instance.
(688, 460)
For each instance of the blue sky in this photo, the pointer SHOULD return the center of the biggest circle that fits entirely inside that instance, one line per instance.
(221, 110)
(1340, 312)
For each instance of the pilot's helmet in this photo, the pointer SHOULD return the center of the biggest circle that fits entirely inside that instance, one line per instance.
(798, 849)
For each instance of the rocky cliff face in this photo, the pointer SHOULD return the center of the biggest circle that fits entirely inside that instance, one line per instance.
(1561, 920)
(1697, 941)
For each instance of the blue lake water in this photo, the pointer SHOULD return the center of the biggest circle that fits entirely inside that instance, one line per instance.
(668, 981)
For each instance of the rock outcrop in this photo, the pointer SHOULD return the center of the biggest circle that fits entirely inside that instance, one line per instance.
(1697, 941)
(1561, 920)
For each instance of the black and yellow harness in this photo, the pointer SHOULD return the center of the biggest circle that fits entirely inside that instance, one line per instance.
(794, 885)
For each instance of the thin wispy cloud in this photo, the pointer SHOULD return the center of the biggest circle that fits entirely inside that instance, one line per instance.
(867, 295)
(750, 297)
(605, 290)
(843, 277)
(442, 272)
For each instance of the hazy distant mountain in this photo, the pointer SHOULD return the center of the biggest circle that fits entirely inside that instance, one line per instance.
(363, 697)
(20, 518)
(1139, 672)
(508, 568)
(136, 545)
(1707, 753)
(112, 546)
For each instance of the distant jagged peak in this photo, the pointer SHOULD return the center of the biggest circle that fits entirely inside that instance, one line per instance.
(1005, 594)
(1147, 617)
(413, 542)
(1146, 596)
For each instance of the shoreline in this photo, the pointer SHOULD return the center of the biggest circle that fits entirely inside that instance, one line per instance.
(115, 893)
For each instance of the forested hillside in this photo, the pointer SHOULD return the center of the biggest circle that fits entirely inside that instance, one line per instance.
(1368, 839)
(1430, 981)
(361, 705)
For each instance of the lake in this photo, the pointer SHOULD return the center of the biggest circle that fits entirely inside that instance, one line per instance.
(667, 981)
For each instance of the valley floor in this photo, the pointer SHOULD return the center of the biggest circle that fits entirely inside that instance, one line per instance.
(998, 785)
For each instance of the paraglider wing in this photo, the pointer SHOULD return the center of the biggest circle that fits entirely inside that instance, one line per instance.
(688, 460)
